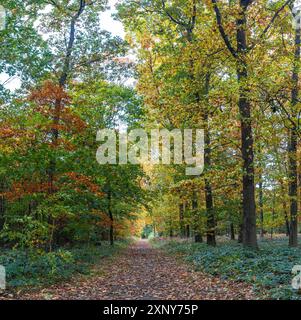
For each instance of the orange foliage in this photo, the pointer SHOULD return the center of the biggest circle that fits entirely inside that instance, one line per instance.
(81, 181)
(24, 188)
(48, 94)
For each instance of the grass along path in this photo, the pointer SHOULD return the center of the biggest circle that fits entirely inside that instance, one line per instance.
(145, 273)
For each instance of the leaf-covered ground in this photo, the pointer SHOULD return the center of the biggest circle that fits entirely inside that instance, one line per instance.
(143, 272)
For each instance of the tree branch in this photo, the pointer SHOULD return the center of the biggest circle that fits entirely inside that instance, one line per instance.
(66, 67)
(171, 17)
(222, 30)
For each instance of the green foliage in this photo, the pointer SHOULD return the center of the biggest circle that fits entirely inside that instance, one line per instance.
(37, 268)
(269, 270)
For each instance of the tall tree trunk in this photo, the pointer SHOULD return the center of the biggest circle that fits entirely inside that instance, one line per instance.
(273, 212)
(232, 231)
(2, 205)
(287, 223)
(207, 163)
(170, 232)
(292, 146)
(111, 233)
(261, 206)
(293, 236)
(187, 231)
(249, 209)
(181, 218)
(284, 206)
(197, 233)
(210, 214)
(244, 105)
(2, 212)
(241, 225)
(240, 55)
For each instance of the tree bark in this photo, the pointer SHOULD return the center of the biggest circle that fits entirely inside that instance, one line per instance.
(292, 145)
(287, 223)
(293, 236)
(207, 163)
(2, 212)
(232, 231)
(170, 232)
(2, 205)
(111, 232)
(249, 209)
(241, 226)
(181, 218)
(273, 212)
(244, 105)
(187, 231)
(197, 233)
(261, 206)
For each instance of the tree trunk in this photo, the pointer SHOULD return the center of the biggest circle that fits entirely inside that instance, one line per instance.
(261, 206)
(187, 231)
(292, 146)
(210, 215)
(293, 236)
(287, 224)
(241, 228)
(2, 206)
(232, 231)
(111, 234)
(207, 163)
(284, 206)
(2, 212)
(51, 240)
(249, 209)
(181, 217)
(197, 233)
(273, 212)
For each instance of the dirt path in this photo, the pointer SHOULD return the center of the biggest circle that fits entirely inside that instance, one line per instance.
(144, 273)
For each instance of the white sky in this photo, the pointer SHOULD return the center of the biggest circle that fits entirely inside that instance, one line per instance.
(107, 23)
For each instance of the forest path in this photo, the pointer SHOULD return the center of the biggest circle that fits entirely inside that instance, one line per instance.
(144, 273)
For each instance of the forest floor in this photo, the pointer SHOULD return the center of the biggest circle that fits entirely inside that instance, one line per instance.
(142, 272)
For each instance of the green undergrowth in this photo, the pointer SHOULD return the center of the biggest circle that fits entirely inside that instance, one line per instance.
(32, 268)
(269, 269)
